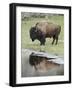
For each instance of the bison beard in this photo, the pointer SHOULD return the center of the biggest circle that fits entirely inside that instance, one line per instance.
(43, 30)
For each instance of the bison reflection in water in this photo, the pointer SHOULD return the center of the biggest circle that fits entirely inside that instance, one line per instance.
(35, 63)
(43, 30)
(44, 64)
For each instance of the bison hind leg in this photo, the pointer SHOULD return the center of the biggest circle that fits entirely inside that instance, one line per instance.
(56, 40)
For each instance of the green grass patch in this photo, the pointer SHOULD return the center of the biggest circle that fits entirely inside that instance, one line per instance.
(27, 43)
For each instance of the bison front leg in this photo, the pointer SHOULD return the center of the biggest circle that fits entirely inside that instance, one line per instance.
(42, 44)
(42, 41)
(53, 40)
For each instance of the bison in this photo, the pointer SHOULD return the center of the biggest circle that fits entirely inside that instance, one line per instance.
(43, 30)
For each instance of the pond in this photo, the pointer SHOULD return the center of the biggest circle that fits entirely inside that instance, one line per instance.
(45, 64)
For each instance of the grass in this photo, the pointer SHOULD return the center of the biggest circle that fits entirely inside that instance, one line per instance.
(27, 43)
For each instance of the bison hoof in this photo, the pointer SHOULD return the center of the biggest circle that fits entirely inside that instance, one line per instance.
(42, 44)
(52, 43)
(55, 43)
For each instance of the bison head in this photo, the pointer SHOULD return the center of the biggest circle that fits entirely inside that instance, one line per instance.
(37, 34)
(33, 33)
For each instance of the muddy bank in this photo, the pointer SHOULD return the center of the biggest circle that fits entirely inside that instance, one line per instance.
(43, 69)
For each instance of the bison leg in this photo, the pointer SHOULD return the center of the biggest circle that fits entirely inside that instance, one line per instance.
(35, 67)
(53, 40)
(56, 40)
(42, 41)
